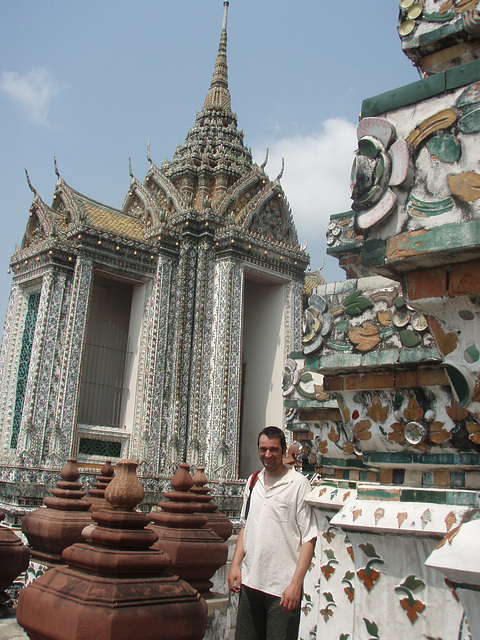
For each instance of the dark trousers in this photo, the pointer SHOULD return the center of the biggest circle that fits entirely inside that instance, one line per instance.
(260, 617)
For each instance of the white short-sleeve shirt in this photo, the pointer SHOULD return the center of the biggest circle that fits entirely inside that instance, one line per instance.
(278, 523)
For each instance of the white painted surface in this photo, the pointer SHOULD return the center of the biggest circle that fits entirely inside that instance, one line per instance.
(133, 348)
(263, 357)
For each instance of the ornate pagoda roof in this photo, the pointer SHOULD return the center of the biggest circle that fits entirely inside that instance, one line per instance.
(214, 142)
(211, 180)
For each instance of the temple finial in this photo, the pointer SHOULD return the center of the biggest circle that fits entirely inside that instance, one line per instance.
(30, 186)
(281, 170)
(218, 96)
(130, 172)
(264, 163)
(55, 166)
(149, 157)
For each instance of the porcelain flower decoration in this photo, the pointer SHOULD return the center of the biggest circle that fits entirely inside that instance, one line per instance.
(381, 169)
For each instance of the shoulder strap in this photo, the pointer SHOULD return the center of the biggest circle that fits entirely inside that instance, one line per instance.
(253, 482)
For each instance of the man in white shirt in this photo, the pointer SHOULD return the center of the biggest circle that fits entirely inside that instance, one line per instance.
(274, 548)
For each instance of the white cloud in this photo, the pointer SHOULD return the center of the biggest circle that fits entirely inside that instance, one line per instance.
(34, 92)
(316, 180)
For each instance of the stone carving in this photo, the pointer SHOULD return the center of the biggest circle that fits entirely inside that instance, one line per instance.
(113, 580)
(49, 531)
(216, 521)
(14, 557)
(196, 552)
(96, 494)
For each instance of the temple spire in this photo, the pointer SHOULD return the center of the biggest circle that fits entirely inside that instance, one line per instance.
(218, 96)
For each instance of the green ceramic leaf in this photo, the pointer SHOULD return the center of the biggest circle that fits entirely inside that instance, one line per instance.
(372, 627)
(445, 147)
(306, 377)
(330, 554)
(344, 636)
(470, 122)
(369, 550)
(409, 338)
(349, 575)
(470, 97)
(399, 302)
(328, 597)
(351, 298)
(413, 583)
(358, 307)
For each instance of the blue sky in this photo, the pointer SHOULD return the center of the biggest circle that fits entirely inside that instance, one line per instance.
(92, 82)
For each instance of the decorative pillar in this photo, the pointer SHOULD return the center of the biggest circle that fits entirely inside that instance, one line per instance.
(37, 392)
(114, 586)
(9, 364)
(68, 387)
(149, 437)
(224, 420)
(180, 366)
(200, 352)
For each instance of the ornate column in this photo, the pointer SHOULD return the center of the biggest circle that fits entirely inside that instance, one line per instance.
(37, 394)
(12, 338)
(62, 437)
(179, 355)
(200, 355)
(149, 435)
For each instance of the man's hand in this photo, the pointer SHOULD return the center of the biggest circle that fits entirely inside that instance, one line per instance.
(235, 575)
(291, 597)
(234, 579)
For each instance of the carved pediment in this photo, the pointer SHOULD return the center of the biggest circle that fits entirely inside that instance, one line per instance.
(35, 231)
(272, 219)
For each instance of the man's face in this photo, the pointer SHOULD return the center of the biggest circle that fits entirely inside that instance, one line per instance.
(270, 452)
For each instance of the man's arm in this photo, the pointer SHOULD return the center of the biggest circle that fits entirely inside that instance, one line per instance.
(293, 593)
(235, 574)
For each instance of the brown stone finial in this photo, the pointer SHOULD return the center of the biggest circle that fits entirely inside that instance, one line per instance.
(49, 531)
(114, 584)
(70, 472)
(216, 521)
(182, 480)
(14, 557)
(107, 470)
(125, 491)
(200, 479)
(96, 494)
(196, 551)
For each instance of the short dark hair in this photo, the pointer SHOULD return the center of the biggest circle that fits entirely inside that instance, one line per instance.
(271, 433)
